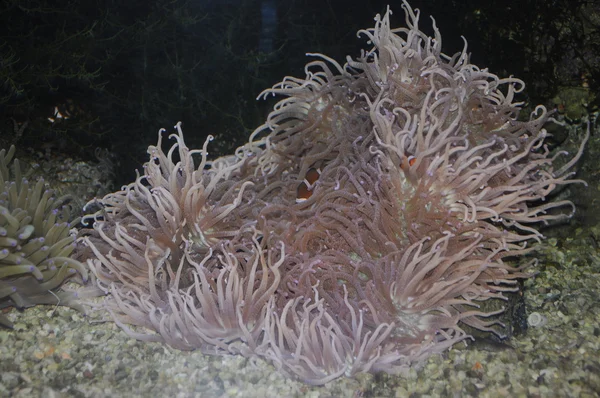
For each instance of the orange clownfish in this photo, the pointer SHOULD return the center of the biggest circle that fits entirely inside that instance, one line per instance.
(305, 189)
(407, 162)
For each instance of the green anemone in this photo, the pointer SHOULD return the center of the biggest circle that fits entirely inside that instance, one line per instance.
(35, 241)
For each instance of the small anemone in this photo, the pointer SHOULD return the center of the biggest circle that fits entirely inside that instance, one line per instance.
(35, 242)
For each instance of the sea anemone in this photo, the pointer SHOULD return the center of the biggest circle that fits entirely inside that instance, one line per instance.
(358, 230)
(36, 241)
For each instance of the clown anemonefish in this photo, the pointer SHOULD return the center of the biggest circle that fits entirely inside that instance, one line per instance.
(305, 189)
(407, 162)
